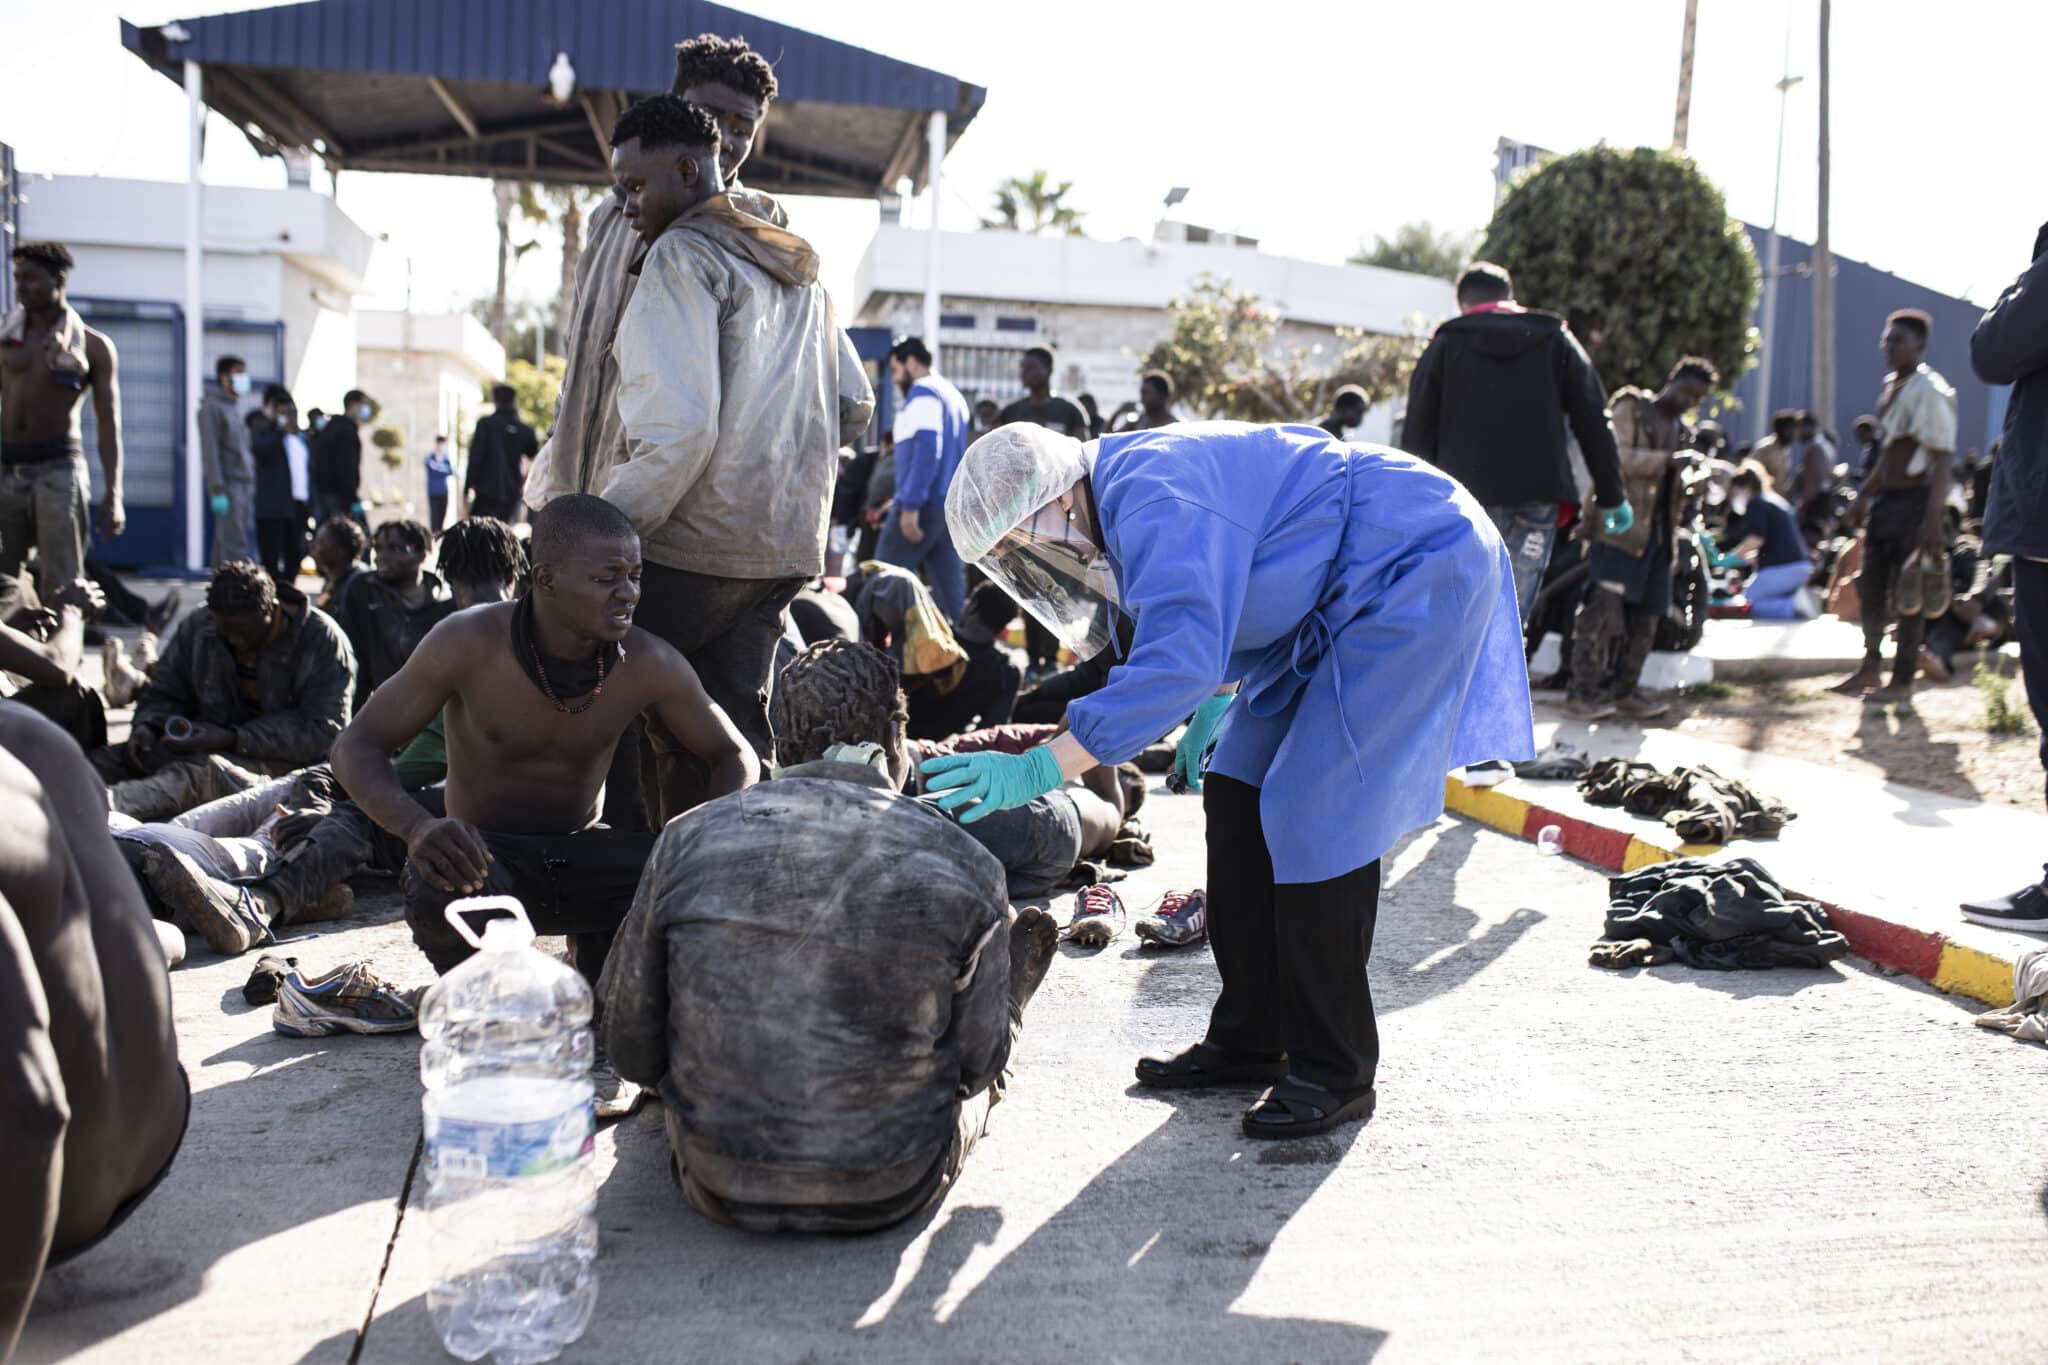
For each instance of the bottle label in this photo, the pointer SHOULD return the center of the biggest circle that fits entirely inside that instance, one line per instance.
(480, 1150)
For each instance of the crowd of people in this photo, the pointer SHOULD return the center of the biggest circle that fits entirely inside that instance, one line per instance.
(659, 722)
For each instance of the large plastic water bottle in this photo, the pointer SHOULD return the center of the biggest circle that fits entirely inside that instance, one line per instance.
(510, 1131)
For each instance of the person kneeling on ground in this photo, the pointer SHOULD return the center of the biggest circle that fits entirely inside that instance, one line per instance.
(93, 1104)
(258, 682)
(842, 1090)
(1771, 540)
(536, 694)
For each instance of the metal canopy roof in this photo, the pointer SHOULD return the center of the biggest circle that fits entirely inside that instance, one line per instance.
(460, 87)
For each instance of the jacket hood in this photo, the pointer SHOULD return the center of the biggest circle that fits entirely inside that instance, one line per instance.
(777, 250)
(1502, 335)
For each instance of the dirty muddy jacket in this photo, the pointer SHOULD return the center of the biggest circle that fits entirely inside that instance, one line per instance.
(305, 678)
(815, 972)
(1649, 469)
(730, 461)
(586, 439)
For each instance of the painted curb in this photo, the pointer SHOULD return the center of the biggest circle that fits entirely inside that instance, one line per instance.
(1919, 953)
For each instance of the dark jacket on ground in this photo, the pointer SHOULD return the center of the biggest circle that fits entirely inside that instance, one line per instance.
(1488, 406)
(304, 677)
(380, 629)
(815, 972)
(2010, 346)
(337, 458)
(273, 472)
(500, 442)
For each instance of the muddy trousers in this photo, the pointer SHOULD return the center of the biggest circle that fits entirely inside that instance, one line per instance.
(1610, 639)
(1292, 955)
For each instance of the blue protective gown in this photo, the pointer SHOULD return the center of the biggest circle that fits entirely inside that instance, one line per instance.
(1360, 597)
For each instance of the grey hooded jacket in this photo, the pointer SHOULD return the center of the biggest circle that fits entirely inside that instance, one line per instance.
(815, 972)
(223, 443)
(736, 388)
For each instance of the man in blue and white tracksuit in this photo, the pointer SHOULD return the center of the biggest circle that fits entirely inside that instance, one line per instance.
(931, 433)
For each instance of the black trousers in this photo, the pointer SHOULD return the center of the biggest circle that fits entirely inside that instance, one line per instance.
(1292, 956)
(2030, 624)
(503, 509)
(1890, 537)
(279, 547)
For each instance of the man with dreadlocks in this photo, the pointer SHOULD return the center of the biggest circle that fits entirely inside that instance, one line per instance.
(388, 613)
(841, 1091)
(48, 358)
(257, 682)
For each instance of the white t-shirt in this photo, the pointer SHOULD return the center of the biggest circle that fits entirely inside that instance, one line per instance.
(296, 456)
(1924, 408)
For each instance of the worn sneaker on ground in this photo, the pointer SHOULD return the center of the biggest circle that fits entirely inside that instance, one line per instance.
(1579, 708)
(615, 1097)
(1181, 919)
(223, 913)
(349, 999)
(2025, 910)
(1098, 917)
(1636, 706)
(1491, 773)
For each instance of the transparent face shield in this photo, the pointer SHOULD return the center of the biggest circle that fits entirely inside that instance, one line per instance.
(1060, 576)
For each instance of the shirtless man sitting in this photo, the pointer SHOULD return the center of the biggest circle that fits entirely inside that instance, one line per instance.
(534, 695)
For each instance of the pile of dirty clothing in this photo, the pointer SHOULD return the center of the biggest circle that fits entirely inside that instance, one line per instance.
(1725, 917)
(1700, 804)
(2026, 1018)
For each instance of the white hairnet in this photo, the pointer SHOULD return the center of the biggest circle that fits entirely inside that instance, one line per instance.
(1003, 478)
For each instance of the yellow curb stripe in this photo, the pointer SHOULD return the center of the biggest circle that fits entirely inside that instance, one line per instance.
(1698, 850)
(1641, 855)
(1977, 974)
(1507, 814)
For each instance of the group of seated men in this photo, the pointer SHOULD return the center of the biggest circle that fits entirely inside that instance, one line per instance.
(477, 765)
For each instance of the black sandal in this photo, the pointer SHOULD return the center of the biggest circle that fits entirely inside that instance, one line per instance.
(1205, 1065)
(1296, 1108)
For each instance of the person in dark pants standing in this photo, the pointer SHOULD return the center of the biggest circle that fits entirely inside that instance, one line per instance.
(440, 468)
(338, 462)
(280, 523)
(730, 462)
(2010, 346)
(1901, 508)
(498, 452)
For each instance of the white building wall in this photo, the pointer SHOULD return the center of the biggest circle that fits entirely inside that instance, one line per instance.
(319, 340)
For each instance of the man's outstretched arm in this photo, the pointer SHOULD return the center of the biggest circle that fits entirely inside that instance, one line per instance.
(700, 724)
(450, 854)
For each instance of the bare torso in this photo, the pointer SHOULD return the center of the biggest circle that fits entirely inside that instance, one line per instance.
(34, 407)
(516, 764)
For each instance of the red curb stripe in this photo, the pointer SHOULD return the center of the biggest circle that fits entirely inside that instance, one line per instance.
(1916, 952)
(1588, 842)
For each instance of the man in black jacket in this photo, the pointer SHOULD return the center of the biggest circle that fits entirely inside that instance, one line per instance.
(280, 527)
(496, 459)
(2010, 346)
(1488, 405)
(338, 462)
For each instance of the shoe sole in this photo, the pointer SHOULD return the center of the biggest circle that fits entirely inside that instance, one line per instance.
(1997, 921)
(1168, 936)
(1261, 1075)
(1097, 931)
(185, 889)
(321, 1026)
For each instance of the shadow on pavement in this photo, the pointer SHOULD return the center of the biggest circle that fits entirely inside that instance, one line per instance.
(1890, 749)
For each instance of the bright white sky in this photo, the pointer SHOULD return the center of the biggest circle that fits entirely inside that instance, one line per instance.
(1309, 125)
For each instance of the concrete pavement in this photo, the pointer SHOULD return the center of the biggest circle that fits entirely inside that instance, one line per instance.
(1567, 1165)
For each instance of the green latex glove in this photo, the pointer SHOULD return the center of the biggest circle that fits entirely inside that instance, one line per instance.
(1616, 520)
(1187, 755)
(355, 509)
(219, 503)
(989, 782)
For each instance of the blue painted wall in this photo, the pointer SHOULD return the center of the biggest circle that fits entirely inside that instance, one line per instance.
(1864, 297)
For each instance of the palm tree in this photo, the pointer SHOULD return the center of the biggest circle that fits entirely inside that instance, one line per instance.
(563, 206)
(1034, 204)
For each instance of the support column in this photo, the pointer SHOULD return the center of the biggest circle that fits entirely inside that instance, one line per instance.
(935, 183)
(195, 324)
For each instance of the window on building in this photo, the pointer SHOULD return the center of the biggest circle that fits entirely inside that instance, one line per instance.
(962, 322)
(1016, 324)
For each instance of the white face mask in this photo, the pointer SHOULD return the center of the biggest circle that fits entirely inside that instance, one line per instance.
(239, 383)
(363, 412)
(1738, 503)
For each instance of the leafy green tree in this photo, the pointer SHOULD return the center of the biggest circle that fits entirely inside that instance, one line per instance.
(1419, 249)
(537, 389)
(391, 441)
(1637, 249)
(1226, 362)
(1034, 204)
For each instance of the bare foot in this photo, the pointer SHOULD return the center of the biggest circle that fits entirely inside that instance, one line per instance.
(1034, 942)
(1868, 678)
(1933, 667)
(1894, 695)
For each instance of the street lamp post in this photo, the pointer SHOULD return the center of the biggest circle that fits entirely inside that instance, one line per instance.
(1770, 328)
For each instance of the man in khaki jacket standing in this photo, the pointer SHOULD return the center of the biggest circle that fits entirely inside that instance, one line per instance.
(736, 390)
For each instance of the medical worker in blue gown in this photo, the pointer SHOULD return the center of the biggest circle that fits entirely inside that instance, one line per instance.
(1339, 620)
